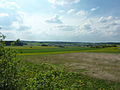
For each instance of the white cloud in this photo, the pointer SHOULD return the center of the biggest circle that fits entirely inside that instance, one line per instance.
(87, 27)
(9, 4)
(92, 30)
(62, 11)
(94, 9)
(11, 17)
(82, 13)
(4, 14)
(67, 27)
(19, 26)
(63, 2)
(14, 23)
(55, 19)
(71, 11)
(106, 19)
(108, 26)
(87, 30)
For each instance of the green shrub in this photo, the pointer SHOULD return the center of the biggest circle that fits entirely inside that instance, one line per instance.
(8, 67)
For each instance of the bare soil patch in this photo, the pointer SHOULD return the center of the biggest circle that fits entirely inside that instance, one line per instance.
(99, 65)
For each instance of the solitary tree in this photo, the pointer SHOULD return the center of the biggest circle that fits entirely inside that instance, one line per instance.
(18, 42)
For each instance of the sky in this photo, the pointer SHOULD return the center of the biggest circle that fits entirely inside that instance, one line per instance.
(61, 20)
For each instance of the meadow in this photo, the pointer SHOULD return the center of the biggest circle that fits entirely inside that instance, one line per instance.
(36, 50)
(68, 68)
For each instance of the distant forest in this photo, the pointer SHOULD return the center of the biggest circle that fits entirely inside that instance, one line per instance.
(18, 42)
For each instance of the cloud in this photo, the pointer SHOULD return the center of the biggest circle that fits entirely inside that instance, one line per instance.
(20, 26)
(77, 12)
(82, 13)
(55, 20)
(14, 23)
(10, 16)
(71, 11)
(4, 14)
(67, 27)
(63, 2)
(107, 26)
(9, 4)
(92, 29)
(94, 9)
(106, 19)
(62, 11)
(87, 27)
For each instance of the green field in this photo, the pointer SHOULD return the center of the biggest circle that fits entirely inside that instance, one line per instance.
(69, 68)
(36, 50)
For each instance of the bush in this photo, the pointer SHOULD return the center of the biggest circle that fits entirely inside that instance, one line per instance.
(8, 67)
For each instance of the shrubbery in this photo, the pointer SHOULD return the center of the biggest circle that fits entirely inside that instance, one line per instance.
(8, 67)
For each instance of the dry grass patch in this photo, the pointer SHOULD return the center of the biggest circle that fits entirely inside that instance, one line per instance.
(99, 65)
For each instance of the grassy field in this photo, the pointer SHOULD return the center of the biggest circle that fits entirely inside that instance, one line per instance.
(84, 68)
(46, 76)
(36, 50)
(99, 65)
(102, 62)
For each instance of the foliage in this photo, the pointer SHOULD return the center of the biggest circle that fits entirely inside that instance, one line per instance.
(18, 43)
(14, 43)
(50, 77)
(8, 66)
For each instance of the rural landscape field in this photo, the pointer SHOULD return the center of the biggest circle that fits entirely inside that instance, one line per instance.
(61, 66)
(102, 63)
(59, 44)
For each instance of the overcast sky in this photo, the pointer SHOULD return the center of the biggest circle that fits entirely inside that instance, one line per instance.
(61, 20)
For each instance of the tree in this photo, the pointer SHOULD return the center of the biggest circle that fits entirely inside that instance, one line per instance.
(12, 43)
(18, 42)
(8, 67)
